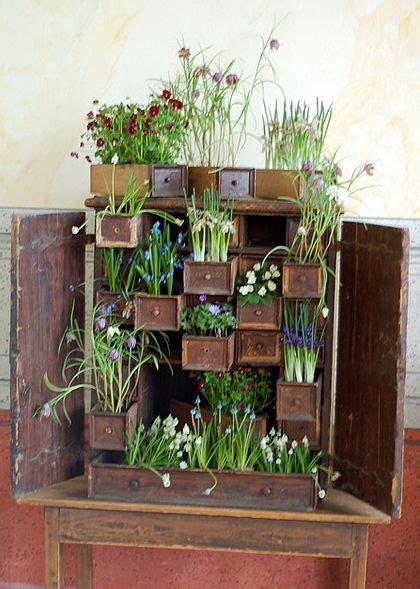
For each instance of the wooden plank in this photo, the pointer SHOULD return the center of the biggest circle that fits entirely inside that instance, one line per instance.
(53, 550)
(358, 558)
(248, 206)
(48, 262)
(84, 566)
(337, 507)
(371, 363)
(200, 532)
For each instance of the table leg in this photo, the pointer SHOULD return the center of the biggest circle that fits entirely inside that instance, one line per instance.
(84, 566)
(358, 559)
(53, 549)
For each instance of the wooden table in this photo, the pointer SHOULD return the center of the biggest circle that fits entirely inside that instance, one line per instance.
(337, 529)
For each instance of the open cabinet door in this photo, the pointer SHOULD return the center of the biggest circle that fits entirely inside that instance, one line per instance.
(48, 274)
(369, 416)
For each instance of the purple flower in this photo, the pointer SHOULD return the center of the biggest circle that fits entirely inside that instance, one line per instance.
(232, 79)
(217, 77)
(196, 93)
(214, 309)
(100, 324)
(307, 166)
(368, 168)
(274, 44)
(113, 355)
(338, 171)
(131, 342)
(318, 183)
(202, 298)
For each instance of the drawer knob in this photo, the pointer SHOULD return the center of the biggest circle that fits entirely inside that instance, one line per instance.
(207, 276)
(206, 350)
(134, 484)
(108, 429)
(116, 229)
(259, 346)
(267, 491)
(258, 312)
(234, 183)
(302, 279)
(156, 312)
(167, 180)
(296, 402)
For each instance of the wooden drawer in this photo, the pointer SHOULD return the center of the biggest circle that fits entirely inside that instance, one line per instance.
(237, 182)
(302, 280)
(212, 278)
(259, 348)
(298, 401)
(169, 180)
(118, 231)
(260, 316)
(109, 431)
(208, 353)
(296, 430)
(159, 313)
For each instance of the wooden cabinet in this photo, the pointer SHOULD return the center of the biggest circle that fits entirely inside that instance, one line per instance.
(359, 408)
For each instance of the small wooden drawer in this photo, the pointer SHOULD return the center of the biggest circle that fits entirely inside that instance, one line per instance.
(159, 313)
(260, 316)
(201, 178)
(118, 231)
(208, 353)
(116, 304)
(302, 281)
(296, 430)
(109, 431)
(169, 180)
(298, 401)
(212, 278)
(237, 182)
(258, 348)
(274, 183)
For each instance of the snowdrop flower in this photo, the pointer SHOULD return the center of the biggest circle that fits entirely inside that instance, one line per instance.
(228, 430)
(267, 275)
(301, 231)
(314, 470)
(256, 267)
(70, 337)
(166, 480)
(114, 159)
(324, 312)
(46, 410)
(198, 441)
(275, 274)
(305, 441)
(278, 460)
(183, 465)
(179, 454)
(290, 451)
(75, 230)
(336, 475)
(262, 291)
(321, 494)
(207, 491)
(186, 430)
(272, 432)
(271, 285)
(294, 444)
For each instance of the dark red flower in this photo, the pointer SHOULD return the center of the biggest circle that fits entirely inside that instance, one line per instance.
(100, 142)
(166, 94)
(220, 375)
(133, 117)
(74, 154)
(186, 124)
(90, 115)
(201, 385)
(232, 79)
(82, 144)
(99, 116)
(177, 104)
(91, 125)
(107, 122)
(140, 111)
(147, 122)
(154, 110)
(145, 132)
(169, 126)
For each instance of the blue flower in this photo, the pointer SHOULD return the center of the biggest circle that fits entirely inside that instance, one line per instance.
(147, 277)
(147, 255)
(214, 309)
(155, 228)
(252, 416)
(234, 410)
(162, 278)
(228, 430)
(169, 274)
(197, 400)
(179, 240)
(202, 298)
(219, 406)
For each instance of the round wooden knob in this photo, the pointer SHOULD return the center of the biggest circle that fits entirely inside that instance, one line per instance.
(167, 180)
(267, 491)
(206, 350)
(234, 183)
(259, 346)
(207, 276)
(108, 429)
(116, 229)
(296, 402)
(134, 484)
(302, 279)
(258, 312)
(156, 312)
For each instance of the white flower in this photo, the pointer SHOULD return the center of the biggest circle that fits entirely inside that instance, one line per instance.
(257, 267)
(324, 312)
(183, 465)
(276, 274)
(243, 290)
(271, 285)
(321, 494)
(70, 337)
(301, 231)
(75, 230)
(262, 291)
(314, 470)
(166, 480)
(272, 432)
(290, 451)
(112, 331)
(294, 444)
(186, 430)
(267, 275)
(179, 454)
(198, 441)
(252, 279)
(207, 491)
(278, 460)
(336, 475)
(273, 268)
(250, 288)
(46, 410)
(305, 441)
(114, 159)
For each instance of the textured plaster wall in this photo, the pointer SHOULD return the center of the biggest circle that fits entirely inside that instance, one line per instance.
(58, 56)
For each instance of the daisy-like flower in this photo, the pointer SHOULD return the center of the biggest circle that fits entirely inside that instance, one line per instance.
(166, 480)
(262, 292)
(271, 285)
(267, 275)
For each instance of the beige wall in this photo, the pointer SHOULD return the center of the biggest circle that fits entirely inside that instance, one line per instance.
(58, 56)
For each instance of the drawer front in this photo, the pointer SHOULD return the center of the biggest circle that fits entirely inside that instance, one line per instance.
(237, 182)
(302, 280)
(117, 231)
(296, 430)
(158, 313)
(258, 348)
(210, 278)
(169, 180)
(296, 402)
(260, 316)
(207, 353)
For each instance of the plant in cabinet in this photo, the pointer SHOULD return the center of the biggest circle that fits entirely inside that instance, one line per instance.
(261, 284)
(155, 263)
(114, 356)
(209, 343)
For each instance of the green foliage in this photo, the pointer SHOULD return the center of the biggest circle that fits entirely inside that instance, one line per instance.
(259, 285)
(208, 319)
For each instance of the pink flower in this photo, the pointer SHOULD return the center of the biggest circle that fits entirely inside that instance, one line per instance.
(217, 77)
(274, 44)
(307, 166)
(232, 79)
